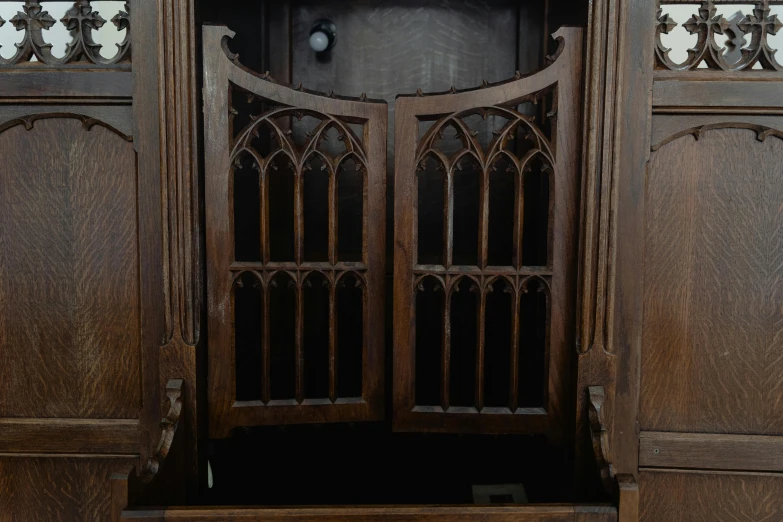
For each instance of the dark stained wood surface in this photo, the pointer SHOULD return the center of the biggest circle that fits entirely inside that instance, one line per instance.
(57, 489)
(708, 451)
(674, 496)
(66, 84)
(712, 353)
(31, 435)
(68, 273)
(221, 76)
(560, 263)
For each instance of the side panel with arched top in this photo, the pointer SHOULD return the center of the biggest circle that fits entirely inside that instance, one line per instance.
(486, 202)
(295, 188)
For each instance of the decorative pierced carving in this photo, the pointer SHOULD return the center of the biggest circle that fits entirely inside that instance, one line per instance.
(80, 20)
(760, 25)
(168, 426)
(706, 24)
(600, 437)
(275, 149)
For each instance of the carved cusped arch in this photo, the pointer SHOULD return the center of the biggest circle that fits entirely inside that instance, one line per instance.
(291, 147)
(515, 141)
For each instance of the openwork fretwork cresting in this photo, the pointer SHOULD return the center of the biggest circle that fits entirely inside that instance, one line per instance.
(80, 20)
(709, 25)
(511, 285)
(298, 294)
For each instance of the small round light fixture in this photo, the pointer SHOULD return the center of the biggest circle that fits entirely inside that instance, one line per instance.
(323, 36)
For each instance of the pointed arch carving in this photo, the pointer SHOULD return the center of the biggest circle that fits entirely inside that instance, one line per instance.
(305, 134)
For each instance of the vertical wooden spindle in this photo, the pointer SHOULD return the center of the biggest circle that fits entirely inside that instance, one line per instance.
(448, 219)
(483, 239)
(333, 181)
(299, 216)
(266, 342)
(445, 368)
(482, 302)
(333, 342)
(264, 211)
(299, 355)
(519, 218)
(513, 400)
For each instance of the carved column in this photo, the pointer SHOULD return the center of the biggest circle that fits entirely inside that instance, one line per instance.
(615, 147)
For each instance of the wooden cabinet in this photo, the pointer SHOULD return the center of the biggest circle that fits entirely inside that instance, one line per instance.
(448, 250)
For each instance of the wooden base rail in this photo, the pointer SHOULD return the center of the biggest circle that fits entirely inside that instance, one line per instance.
(532, 513)
(123, 489)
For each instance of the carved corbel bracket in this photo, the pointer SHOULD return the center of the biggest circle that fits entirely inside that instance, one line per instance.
(168, 426)
(600, 437)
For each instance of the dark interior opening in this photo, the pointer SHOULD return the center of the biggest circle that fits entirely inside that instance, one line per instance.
(366, 463)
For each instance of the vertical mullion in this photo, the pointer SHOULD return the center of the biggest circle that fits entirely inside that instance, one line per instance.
(266, 367)
(480, 349)
(264, 211)
(448, 218)
(446, 352)
(333, 342)
(483, 245)
(513, 401)
(519, 218)
(333, 216)
(298, 342)
(298, 215)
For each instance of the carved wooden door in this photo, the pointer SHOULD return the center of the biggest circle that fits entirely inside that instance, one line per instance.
(295, 188)
(486, 202)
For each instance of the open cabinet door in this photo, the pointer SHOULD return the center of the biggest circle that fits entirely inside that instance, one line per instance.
(294, 191)
(486, 212)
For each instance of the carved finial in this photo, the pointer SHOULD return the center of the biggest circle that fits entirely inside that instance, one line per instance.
(484, 84)
(453, 90)
(419, 92)
(299, 87)
(331, 93)
(363, 97)
(517, 75)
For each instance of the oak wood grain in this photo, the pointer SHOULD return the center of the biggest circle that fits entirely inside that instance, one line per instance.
(717, 497)
(57, 488)
(708, 451)
(712, 354)
(68, 273)
(113, 436)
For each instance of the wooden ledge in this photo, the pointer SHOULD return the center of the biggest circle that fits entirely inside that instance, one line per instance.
(95, 436)
(711, 452)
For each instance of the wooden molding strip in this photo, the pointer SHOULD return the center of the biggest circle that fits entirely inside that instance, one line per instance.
(699, 92)
(66, 84)
(78, 436)
(711, 452)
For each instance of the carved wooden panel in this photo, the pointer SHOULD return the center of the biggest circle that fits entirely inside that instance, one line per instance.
(697, 496)
(295, 245)
(723, 42)
(58, 488)
(485, 209)
(69, 273)
(712, 354)
(80, 20)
